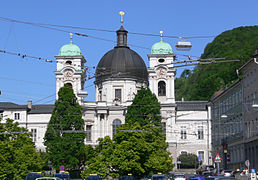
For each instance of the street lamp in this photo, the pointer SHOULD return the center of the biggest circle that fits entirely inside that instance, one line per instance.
(224, 116)
(255, 106)
(224, 144)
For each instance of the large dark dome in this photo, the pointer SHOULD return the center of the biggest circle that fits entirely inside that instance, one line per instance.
(121, 62)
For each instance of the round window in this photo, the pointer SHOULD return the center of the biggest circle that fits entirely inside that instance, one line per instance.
(161, 60)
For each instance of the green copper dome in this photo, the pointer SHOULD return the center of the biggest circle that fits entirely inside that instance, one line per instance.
(70, 50)
(161, 48)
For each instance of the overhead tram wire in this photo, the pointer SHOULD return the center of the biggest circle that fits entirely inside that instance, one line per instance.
(97, 29)
(42, 25)
(44, 98)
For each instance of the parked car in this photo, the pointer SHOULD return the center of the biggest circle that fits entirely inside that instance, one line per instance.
(63, 176)
(129, 177)
(208, 173)
(196, 177)
(179, 177)
(93, 177)
(204, 168)
(227, 173)
(159, 177)
(33, 175)
(48, 178)
(219, 178)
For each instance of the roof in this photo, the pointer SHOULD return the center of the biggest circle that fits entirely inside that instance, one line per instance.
(36, 109)
(221, 92)
(254, 58)
(42, 109)
(70, 50)
(161, 47)
(10, 105)
(191, 105)
(121, 62)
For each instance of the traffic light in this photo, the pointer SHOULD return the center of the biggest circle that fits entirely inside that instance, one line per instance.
(228, 157)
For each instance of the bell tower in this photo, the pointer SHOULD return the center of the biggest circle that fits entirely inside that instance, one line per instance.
(70, 69)
(161, 71)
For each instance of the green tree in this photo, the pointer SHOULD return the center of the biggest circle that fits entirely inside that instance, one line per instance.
(64, 138)
(99, 160)
(188, 160)
(140, 146)
(145, 109)
(18, 155)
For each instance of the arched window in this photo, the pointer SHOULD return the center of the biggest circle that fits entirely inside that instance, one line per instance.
(161, 88)
(116, 124)
(69, 85)
(68, 62)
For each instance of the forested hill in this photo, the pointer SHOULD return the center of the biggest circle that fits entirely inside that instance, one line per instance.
(201, 83)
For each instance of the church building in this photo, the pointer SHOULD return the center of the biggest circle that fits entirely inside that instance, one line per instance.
(120, 73)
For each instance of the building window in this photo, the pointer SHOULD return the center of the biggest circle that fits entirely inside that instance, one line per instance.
(200, 132)
(164, 128)
(16, 116)
(102, 116)
(161, 60)
(183, 152)
(183, 132)
(34, 134)
(68, 62)
(88, 133)
(69, 85)
(100, 95)
(118, 94)
(116, 124)
(161, 88)
(201, 155)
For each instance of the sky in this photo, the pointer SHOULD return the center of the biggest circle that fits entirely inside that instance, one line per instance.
(24, 79)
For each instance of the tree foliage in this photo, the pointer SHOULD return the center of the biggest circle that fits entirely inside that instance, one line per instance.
(239, 43)
(18, 155)
(138, 147)
(64, 146)
(188, 160)
(99, 160)
(145, 109)
(143, 152)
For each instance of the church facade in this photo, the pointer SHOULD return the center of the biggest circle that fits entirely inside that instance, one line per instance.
(120, 73)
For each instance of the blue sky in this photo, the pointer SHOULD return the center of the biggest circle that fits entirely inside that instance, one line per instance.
(30, 79)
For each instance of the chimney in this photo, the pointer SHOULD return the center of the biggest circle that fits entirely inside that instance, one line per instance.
(29, 105)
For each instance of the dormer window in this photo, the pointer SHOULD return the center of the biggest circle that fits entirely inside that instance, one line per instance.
(161, 60)
(68, 62)
(118, 94)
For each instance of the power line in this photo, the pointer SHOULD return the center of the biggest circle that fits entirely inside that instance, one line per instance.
(45, 25)
(44, 98)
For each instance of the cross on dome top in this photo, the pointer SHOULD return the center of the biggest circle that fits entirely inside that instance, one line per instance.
(122, 13)
(161, 35)
(71, 37)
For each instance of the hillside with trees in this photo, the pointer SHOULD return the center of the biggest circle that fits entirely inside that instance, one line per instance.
(202, 82)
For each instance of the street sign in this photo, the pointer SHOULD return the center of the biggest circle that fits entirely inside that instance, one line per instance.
(61, 168)
(253, 174)
(247, 163)
(199, 158)
(217, 158)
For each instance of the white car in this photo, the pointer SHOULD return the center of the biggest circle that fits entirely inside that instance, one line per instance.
(179, 177)
(226, 173)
